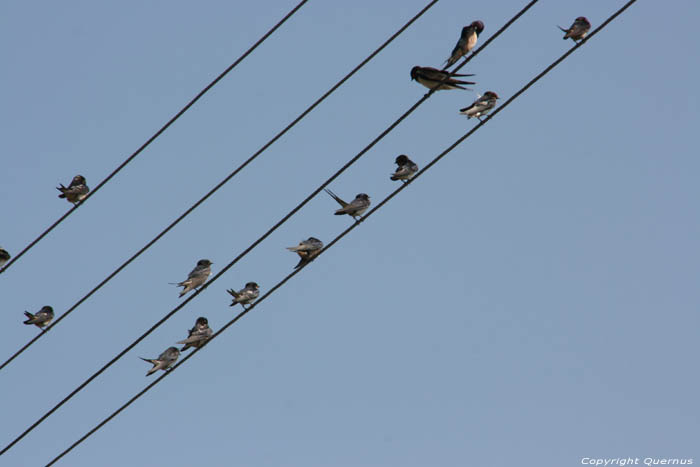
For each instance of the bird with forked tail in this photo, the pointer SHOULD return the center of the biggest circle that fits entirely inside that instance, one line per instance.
(431, 77)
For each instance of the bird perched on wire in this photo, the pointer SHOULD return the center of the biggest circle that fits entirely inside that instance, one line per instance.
(354, 208)
(164, 360)
(481, 106)
(578, 30)
(245, 296)
(406, 168)
(198, 335)
(431, 77)
(466, 42)
(4, 257)
(197, 276)
(41, 319)
(307, 250)
(76, 191)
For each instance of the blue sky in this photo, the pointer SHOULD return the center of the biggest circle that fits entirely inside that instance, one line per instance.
(531, 300)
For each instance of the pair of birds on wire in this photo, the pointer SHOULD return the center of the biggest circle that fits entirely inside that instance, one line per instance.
(196, 338)
(432, 77)
(311, 247)
(199, 275)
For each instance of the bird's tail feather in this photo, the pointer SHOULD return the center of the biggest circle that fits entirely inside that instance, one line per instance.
(335, 197)
(30, 316)
(152, 362)
(235, 296)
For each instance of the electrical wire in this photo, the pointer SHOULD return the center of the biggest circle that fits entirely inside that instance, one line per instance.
(156, 135)
(219, 185)
(187, 300)
(349, 229)
(252, 246)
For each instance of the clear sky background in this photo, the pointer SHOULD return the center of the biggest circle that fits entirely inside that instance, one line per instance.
(532, 300)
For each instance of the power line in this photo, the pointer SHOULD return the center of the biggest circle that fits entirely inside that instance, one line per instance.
(252, 246)
(269, 143)
(187, 300)
(156, 135)
(348, 230)
(220, 184)
(284, 219)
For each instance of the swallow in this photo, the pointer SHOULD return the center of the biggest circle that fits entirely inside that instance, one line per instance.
(307, 250)
(76, 191)
(164, 360)
(197, 276)
(481, 106)
(4, 257)
(466, 42)
(406, 169)
(578, 30)
(431, 77)
(41, 319)
(198, 335)
(355, 208)
(245, 296)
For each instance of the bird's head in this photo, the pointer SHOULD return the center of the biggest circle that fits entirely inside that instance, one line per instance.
(402, 159)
